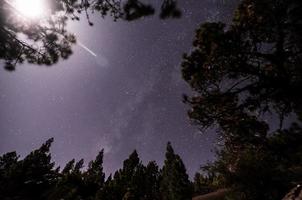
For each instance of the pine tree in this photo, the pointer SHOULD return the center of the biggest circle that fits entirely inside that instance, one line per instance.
(70, 185)
(175, 184)
(133, 176)
(8, 163)
(32, 177)
(152, 178)
(245, 70)
(94, 177)
(240, 73)
(127, 182)
(108, 191)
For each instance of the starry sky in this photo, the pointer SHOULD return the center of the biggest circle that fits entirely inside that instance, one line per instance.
(127, 97)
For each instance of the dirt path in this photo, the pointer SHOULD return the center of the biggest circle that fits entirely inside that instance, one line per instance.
(218, 195)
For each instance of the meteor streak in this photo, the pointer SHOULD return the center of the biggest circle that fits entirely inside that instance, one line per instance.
(28, 12)
(87, 49)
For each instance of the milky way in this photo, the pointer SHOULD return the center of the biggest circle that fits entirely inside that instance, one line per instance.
(127, 97)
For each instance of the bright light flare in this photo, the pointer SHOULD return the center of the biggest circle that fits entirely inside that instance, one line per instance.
(32, 9)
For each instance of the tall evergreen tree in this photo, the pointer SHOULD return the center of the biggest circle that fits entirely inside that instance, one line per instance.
(35, 178)
(175, 184)
(132, 174)
(127, 182)
(70, 184)
(8, 164)
(108, 191)
(94, 177)
(32, 177)
(152, 180)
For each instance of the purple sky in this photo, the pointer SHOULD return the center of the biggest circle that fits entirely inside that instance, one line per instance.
(126, 98)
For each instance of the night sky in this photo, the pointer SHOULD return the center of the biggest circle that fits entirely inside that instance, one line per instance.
(127, 97)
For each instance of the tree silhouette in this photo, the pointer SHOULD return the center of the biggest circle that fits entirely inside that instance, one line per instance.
(132, 177)
(249, 68)
(35, 178)
(30, 178)
(265, 171)
(239, 74)
(175, 184)
(44, 41)
(152, 180)
(128, 182)
(8, 163)
(94, 177)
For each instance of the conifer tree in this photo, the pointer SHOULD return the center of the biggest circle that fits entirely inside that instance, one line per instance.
(35, 178)
(152, 178)
(133, 176)
(108, 191)
(175, 184)
(127, 182)
(8, 163)
(32, 177)
(241, 73)
(70, 184)
(94, 177)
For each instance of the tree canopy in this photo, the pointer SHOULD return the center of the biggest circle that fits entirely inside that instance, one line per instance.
(240, 73)
(46, 40)
(35, 177)
(175, 184)
(248, 68)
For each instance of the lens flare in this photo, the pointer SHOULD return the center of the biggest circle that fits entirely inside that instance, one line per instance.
(32, 9)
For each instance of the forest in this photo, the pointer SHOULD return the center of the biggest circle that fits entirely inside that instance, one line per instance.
(37, 177)
(240, 74)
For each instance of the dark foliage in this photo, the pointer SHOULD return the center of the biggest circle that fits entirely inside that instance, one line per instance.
(169, 9)
(35, 178)
(30, 178)
(249, 68)
(265, 171)
(240, 73)
(46, 40)
(175, 184)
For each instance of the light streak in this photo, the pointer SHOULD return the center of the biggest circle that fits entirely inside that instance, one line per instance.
(26, 18)
(87, 49)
